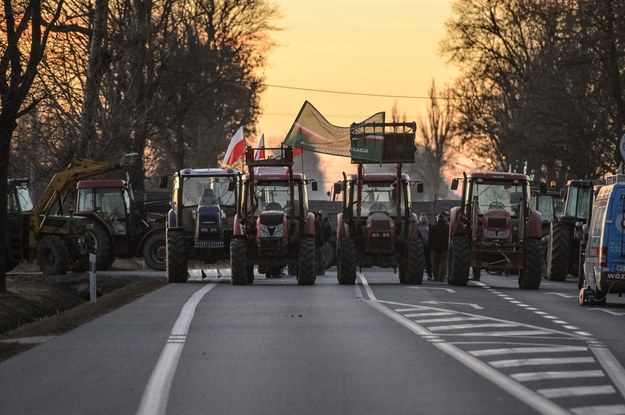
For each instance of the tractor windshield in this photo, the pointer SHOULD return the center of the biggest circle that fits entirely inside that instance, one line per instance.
(274, 196)
(497, 195)
(545, 205)
(578, 199)
(378, 197)
(196, 188)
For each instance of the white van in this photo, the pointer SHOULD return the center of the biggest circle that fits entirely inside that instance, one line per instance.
(604, 265)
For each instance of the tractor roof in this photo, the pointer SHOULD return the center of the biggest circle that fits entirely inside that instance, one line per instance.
(275, 173)
(209, 172)
(495, 175)
(100, 184)
(378, 177)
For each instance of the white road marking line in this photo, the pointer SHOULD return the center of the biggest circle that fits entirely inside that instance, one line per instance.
(432, 314)
(564, 374)
(449, 290)
(542, 361)
(538, 349)
(612, 367)
(577, 391)
(614, 313)
(446, 320)
(600, 410)
(471, 326)
(531, 398)
(510, 333)
(156, 393)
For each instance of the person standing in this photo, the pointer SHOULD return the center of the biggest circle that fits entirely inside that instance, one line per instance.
(424, 231)
(439, 245)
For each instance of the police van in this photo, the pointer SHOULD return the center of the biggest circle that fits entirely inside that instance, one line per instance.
(604, 265)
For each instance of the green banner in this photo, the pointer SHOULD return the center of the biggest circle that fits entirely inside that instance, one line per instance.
(312, 132)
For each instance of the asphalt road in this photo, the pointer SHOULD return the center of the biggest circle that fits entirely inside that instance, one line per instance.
(378, 347)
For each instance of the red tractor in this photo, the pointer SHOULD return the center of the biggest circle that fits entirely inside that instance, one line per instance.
(495, 229)
(376, 226)
(273, 227)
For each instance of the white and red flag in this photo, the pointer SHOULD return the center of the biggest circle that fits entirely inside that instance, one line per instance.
(236, 148)
(260, 152)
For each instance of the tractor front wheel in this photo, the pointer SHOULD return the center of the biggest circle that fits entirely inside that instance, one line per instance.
(177, 260)
(52, 255)
(531, 274)
(346, 261)
(155, 251)
(238, 262)
(412, 263)
(306, 269)
(558, 252)
(459, 260)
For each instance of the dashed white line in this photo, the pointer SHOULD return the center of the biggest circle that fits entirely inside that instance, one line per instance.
(537, 349)
(541, 361)
(564, 374)
(577, 391)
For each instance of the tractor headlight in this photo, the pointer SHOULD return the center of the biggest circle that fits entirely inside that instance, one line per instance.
(277, 232)
(264, 231)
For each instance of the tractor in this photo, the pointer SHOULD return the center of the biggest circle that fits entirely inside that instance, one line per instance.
(273, 227)
(200, 221)
(495, 229)
(376, 227)
(565, 253)
(119, 228)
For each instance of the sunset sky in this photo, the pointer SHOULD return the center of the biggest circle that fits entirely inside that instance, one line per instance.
(372, 47)
(363, 46)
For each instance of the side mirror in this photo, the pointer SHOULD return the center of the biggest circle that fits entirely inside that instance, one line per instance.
(232, 186)
(543, 187)
(454, 184)
(164, 182)
(420, 187)
(337, 188)
(314, 186)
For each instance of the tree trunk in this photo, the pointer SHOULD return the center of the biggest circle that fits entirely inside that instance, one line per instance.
(7, 126)
(94, 79)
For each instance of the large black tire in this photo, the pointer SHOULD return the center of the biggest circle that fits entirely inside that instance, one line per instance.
(346, 261)
(531, 274)
(459, 260)
(99, 239)
(412, 263)
(52, 255)
(177, 257)
(155, 251)
(238, 262)
(306, 268)
(558, 252)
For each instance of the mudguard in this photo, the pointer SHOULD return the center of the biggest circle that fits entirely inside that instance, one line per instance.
(309, 224)
(534, 225)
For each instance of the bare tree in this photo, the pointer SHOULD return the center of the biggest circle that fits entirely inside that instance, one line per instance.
(436, 136)
(28, 25)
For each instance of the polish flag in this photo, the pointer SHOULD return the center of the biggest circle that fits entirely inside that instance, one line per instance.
(260, 153)
(297, 151)
(236, 148)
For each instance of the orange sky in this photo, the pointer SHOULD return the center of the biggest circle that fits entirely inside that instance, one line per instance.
(362, 46)
(376, 47)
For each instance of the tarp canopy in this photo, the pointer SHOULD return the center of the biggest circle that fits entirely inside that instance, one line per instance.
(312, 132)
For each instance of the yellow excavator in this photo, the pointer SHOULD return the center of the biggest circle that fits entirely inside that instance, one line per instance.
(42, 230)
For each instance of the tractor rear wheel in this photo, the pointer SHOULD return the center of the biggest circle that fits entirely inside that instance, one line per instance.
(238, 261)
(155, 251)
(558, 253)
(531, 274)
(459, 260)
(346, 261)
(412, 263)
(306, 269)
(52, 255)
(177, 251)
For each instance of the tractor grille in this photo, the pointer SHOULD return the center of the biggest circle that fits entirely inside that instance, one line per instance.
(497, 222)
(380, 224)
(271, 219)
(271, 246)
(209, 244)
